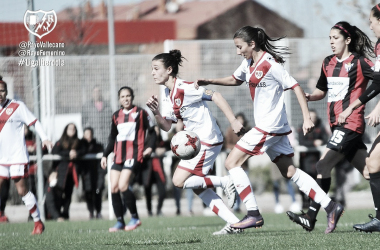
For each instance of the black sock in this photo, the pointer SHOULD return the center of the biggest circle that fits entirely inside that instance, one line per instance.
(374, 182)
(117, 207)
(130, 202)
(330, 207)
(253, 213)
(325, 184)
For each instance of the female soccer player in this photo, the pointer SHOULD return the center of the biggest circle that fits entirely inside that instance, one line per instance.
(127, 137)
(14, 157)
(373, 158)
(267, 80)
(184, 102)
(344, 77)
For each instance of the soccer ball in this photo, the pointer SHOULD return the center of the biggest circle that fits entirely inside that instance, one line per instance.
(185, 145)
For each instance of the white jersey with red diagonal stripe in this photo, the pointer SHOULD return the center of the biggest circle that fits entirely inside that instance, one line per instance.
(13, 115)
(189, 104)
(267, 82)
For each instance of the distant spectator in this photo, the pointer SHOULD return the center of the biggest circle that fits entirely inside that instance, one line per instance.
(96, 113)
(91, 172)
(153, 173)
(308, 160)
(70, 149)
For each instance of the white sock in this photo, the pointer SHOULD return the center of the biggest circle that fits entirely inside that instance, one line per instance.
(244, 188)
(209, 181)
(213, 201)
(31, 204)
(310, 187)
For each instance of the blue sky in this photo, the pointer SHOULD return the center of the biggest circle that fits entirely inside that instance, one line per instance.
(315, 16)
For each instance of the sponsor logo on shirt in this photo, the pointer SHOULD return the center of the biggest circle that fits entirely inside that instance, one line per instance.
(258, 85)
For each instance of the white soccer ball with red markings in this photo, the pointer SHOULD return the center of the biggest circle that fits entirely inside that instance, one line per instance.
(185, 145)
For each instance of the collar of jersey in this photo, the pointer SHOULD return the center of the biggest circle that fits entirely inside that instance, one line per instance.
(257, 64)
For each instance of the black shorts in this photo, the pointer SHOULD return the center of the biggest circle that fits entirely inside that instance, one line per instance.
(129, 164)
(346, 142)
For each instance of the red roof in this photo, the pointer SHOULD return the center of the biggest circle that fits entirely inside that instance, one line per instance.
(93, 32)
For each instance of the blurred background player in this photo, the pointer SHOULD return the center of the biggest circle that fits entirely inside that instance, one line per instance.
(373, 159)
(130, 124)
(14, 157)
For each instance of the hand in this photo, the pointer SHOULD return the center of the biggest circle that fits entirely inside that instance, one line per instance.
(103, 162)
(238, 128)
(147, 152)
(152, 103)
(318, 142)
(344, 115)
(72, 154)
(200, 82)
(373, 118)
(308, 126)
(47, 144)
(307, 95)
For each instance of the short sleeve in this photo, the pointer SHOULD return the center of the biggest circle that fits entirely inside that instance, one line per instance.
(282, 76)
(241, 71)
(367, 67)
(322, 81)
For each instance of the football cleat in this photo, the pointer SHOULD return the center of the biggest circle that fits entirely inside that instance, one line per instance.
(333, 218)
(39, 227)
(302, 219)
(3, 218)
(227, 229)
(117, 227)
(133, 224)
(369, 227)
(230, 192)
(249, 221)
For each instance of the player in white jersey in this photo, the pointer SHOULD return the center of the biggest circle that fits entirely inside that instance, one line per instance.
(267, 80)
(14, 157)
(183, 101)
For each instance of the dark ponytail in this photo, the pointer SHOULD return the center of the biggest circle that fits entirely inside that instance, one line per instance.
(376, 11)
(263, 41)
(172, 59)
(360, 42)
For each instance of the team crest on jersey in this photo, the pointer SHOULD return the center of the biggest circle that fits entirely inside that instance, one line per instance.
(134, 115)
(9, 111)
(258, 74)
(177, 101)
(348, 66)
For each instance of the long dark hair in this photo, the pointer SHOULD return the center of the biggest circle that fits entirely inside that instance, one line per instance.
(360, 42)
(262, 40)
(172, 59)
(376, 11)
(69, 142)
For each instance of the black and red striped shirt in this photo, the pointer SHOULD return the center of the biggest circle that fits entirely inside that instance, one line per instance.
(345, 81)
(128, 133)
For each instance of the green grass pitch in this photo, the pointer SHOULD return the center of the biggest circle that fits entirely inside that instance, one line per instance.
(278, 232)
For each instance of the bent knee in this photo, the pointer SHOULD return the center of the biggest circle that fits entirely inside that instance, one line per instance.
(177, 183)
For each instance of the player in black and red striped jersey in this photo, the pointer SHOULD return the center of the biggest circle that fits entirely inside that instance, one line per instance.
(344, 78)
(130, 124)
(373, 158)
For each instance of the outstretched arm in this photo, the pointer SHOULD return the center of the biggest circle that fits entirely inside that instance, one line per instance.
(226, 81)
(164, 124)
(308, 125)
(226, 108)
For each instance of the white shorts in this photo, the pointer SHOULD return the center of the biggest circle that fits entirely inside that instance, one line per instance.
(257, 142)
(13, 171)
(203, 163)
